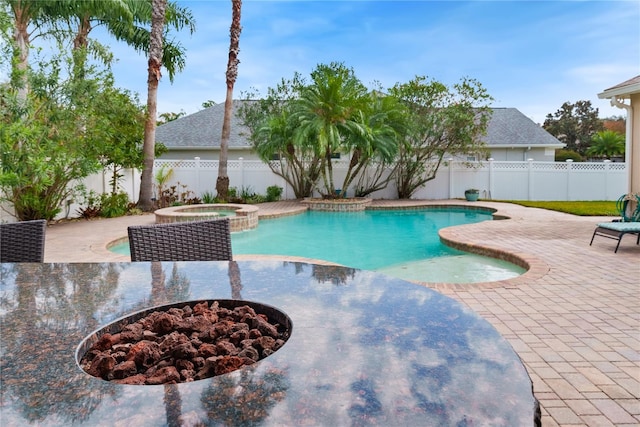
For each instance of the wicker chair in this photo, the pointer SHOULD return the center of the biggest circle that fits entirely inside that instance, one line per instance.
(208, 240)
(22, 241)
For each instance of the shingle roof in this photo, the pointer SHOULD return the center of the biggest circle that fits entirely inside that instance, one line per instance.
(507, 127)
(632, 81)
(202, 129)
(624, 89)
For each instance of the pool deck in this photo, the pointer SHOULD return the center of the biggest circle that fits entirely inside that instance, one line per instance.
(573, 317)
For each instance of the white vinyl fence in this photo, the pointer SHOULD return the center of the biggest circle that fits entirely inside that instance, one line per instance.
(497, 180)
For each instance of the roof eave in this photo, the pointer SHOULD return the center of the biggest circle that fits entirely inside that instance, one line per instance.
(561, 145)
(620, 92)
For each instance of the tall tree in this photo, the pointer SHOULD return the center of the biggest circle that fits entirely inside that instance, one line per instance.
(444, 121)
(153, 80)
(24, 13)
(33, 18)
(373, 154)
(128, 21)
(574, 124)
(47, 146)
(272, 127)
(616, 124)
(328, 112)
(222, 183)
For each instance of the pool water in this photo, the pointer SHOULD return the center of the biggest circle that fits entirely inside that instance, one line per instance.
(401, 243)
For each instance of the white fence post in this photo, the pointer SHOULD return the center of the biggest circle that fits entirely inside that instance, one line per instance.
(569, 169)
(607, 168)
(530, 179)
(199, 187)
(451, 178)
(241, 162)
(134, 193)
(490, 178)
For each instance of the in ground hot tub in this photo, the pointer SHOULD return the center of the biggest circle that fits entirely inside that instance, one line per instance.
(241, 217)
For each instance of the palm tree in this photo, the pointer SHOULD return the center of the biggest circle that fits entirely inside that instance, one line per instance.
(384, 119)
(155, 63)
(41, 15)
(128, 20)
(328, 112)
(606, 144)
(119, 16)
(25, 13)
(272, 128)
(222, 183)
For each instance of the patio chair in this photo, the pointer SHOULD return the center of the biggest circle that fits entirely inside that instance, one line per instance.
(22, 241)
(208, 240)
(616, 230)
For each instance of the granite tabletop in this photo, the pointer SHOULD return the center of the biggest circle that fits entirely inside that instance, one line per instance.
(365, 349)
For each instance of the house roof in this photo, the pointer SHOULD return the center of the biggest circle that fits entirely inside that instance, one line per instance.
(622, 90)
(203, 130)
(508, 127)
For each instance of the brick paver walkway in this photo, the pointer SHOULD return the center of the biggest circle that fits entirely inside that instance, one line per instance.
(574, 317)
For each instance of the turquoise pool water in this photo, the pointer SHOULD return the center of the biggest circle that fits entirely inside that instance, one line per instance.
(401, 243)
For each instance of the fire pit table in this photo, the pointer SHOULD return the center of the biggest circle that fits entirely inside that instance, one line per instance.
(364, 349)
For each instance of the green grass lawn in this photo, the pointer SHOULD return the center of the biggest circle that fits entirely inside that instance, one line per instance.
(587, 208)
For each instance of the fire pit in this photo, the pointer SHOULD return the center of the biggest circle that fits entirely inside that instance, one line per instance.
(184, 342)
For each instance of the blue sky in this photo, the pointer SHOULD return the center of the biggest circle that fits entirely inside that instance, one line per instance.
(530, 55)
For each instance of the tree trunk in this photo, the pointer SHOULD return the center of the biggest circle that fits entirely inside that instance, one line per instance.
(21, 49)
(80, 44)
(145, 201)
(222, 183)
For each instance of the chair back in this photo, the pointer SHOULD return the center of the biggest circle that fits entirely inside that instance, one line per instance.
(22, 241)
(208, 240)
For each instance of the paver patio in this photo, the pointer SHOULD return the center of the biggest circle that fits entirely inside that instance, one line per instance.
(574, 317)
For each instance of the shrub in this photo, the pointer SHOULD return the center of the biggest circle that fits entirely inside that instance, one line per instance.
(114, 205)
(564, 155)
(208, 197)
(274, 193)
(177, 195)
(92, 205)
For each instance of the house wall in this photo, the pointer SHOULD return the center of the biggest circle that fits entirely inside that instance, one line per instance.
(522, 154)
(634, 173)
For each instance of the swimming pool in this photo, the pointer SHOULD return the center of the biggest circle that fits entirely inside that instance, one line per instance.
(401, 243)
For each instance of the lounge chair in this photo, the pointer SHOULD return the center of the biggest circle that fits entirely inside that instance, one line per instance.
(616, 230)
(208, 240)
(22, 241)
